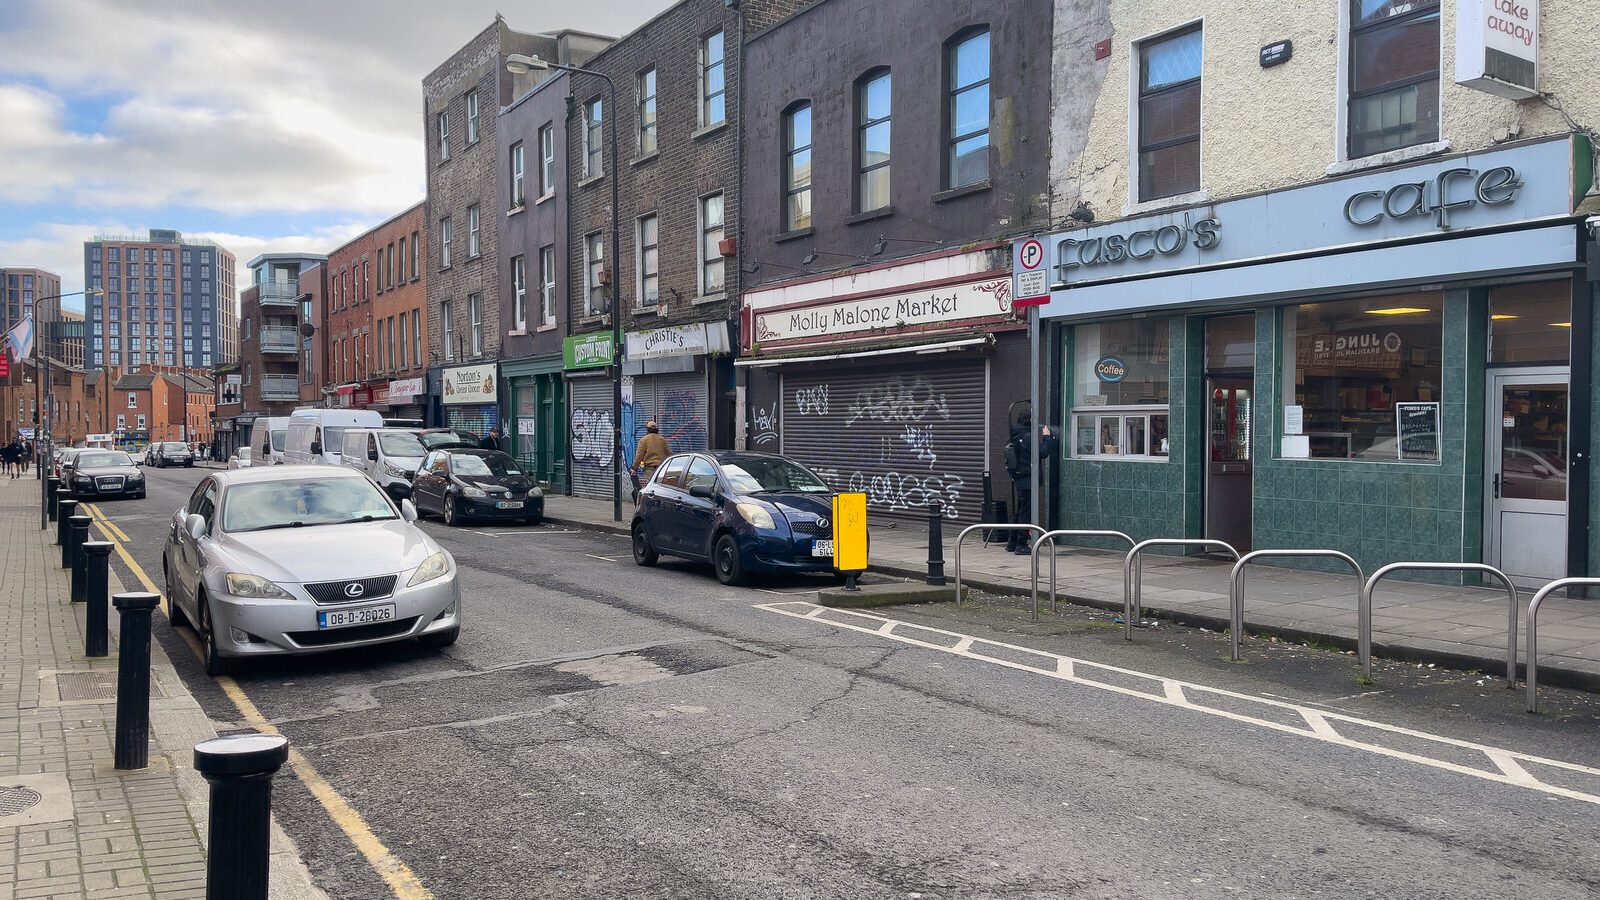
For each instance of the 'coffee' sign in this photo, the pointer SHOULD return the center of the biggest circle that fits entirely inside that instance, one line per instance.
(1451, 189)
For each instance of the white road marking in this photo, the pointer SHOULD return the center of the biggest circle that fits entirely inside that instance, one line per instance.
(604, 558)
(529, 533)
(1509, 767)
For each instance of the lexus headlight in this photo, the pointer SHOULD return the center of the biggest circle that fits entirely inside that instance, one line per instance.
(755, 514)
(435, 566)
(470, 491)
(255, 587)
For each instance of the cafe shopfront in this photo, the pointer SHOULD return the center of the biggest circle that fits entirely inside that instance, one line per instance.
(1395, 365)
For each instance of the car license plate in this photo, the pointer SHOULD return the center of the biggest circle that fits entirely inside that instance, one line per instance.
(822, 548)
(509, 504)
(343, 618)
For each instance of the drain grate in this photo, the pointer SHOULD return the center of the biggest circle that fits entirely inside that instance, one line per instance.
(87, 685)
(16, 799)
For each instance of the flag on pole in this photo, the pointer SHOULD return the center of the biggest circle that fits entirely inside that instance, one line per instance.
(20, 339)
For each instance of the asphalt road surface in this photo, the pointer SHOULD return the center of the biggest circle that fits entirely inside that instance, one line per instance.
(603, 730)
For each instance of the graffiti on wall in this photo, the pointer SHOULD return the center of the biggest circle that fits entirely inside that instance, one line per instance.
(764, 426)
(899, 399)
(812, 401)
(682, 420)
(591, 438)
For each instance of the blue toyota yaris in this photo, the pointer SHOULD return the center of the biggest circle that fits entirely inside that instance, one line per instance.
(742, 512)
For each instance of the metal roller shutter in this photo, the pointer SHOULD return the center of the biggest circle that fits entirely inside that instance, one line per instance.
(476, 418)
(591, 430)
(676, 402)
(903, 435)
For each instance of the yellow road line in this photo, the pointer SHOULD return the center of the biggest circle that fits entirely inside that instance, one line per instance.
(401, 880)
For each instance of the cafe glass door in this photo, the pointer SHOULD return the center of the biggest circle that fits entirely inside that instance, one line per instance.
(1526, 485)
(1230, 393)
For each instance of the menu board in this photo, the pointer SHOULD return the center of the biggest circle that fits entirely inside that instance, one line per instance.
(1417, 430)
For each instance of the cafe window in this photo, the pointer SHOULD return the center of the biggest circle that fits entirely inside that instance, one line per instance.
(1531, 323)
(1363, 380)
(1121, 390)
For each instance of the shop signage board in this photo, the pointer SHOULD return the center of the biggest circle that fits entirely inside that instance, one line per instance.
(1417, 430)
(586, 351)
(405, 388)
(1528, 183)
(1497, 47)
(1030, 278)
(668, 340)
(470, 384)
(943, 305)
(228, 389)
(1110, 369)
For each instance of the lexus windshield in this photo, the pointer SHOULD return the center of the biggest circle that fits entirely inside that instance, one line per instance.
(755, 474)
(299, 504)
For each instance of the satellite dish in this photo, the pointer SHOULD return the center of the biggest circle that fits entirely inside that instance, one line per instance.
(307, 329)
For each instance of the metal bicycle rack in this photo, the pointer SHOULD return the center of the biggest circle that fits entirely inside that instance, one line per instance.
(1133, 571)
(971, 528)
(1051, 536)
(1533, 630)
(1236, 585)
(1364, 624)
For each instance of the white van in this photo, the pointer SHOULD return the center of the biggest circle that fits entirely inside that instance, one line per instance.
(267, 440)
(389, 456)
(317, 435)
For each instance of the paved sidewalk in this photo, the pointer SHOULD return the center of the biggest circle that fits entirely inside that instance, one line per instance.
(94, 832)
(1462, 627)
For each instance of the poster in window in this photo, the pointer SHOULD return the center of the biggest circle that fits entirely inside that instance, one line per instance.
(1417, 430)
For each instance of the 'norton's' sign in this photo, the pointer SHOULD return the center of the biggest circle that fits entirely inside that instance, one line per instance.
(1449, 190)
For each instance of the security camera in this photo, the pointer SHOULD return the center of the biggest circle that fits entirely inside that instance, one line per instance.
(1593, 224)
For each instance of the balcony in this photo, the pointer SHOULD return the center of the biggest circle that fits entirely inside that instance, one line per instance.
(280, 387)
(279, 339)
(278, 293)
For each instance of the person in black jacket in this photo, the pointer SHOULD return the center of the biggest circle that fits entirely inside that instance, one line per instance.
(1019, 465)
(491, 441)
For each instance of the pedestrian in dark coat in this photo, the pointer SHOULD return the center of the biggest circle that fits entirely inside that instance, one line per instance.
(1019, 464)
(491, 441)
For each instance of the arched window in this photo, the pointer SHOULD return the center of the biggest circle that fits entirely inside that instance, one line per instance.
(872, 140)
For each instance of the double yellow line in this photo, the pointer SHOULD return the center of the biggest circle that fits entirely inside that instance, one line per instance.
(401, 880)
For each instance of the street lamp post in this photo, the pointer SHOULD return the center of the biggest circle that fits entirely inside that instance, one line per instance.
(42, 388)
(519, 64)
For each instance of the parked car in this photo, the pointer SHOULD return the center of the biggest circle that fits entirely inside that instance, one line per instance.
(63, 459)
(463, 483)
(170, 453)
(445, 438)
(301, 559)
(389, 456)
(317, 435)
(104, 473)
(742, 512)
(267, 440)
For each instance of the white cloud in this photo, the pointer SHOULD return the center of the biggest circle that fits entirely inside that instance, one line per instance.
(295, 106)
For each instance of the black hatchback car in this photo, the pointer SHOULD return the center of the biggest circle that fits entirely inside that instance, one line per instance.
(104, 473)
(742, 512)
(467, 483)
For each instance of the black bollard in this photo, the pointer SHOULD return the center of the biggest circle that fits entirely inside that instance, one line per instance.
(936, 543)
(78, 537)
(68, 508)
(97, 560)
(51, 495)
(240, 769)
(133, 680)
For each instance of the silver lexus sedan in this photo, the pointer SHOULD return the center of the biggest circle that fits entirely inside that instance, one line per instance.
(301, 559)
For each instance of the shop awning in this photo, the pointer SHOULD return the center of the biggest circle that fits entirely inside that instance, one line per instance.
(913, 348)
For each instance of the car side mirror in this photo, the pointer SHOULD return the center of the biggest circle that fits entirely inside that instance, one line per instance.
(703, 491)
(195, 524)
(316, 448)
(408, 510)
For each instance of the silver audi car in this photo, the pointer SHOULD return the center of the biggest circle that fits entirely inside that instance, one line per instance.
(301, 559)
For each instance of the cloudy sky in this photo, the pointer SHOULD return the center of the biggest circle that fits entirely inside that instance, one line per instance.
(288, 124)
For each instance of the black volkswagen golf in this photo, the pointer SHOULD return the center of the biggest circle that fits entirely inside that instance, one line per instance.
(742, 512)
(105, 473)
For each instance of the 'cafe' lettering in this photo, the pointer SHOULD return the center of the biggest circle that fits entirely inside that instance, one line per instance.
(1418, 198)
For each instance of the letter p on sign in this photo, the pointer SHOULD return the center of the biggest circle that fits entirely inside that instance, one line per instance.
(850, 532)
(1029, 284)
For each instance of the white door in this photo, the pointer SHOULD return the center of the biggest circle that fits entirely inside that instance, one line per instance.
(1526, 483)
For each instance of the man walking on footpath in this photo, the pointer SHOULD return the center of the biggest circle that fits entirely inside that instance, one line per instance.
(1019, 464)
(12, 455)
(491, 441)
(649, 456)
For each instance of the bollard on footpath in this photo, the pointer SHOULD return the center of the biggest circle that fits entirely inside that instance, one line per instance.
(936, 543)
(133, 680)
(68, 509)
(51, 495)
(77, 537)
(240, 768)
(97, 561)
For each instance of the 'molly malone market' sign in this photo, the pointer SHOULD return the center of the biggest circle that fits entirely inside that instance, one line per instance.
(988, 298)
